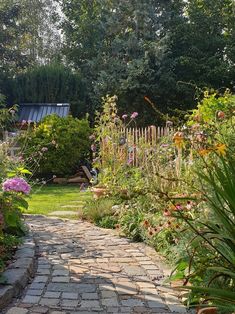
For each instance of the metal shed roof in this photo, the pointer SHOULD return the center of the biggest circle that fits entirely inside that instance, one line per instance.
(36, 112)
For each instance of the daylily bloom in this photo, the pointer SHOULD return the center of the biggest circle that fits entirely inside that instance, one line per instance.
(203, 152)
(178, 139)
(220, 149)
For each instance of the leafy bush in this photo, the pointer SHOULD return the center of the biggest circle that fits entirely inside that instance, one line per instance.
(57, 144)
(213, 107)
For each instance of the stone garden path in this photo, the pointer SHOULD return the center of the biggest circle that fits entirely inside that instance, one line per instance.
(85, 269)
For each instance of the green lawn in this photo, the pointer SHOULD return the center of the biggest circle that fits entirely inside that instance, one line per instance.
(54, 198)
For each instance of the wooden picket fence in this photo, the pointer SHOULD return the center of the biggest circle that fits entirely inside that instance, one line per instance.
(133, 144)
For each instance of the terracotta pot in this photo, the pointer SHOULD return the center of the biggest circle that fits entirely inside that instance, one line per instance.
(99, 191)
(208, 310)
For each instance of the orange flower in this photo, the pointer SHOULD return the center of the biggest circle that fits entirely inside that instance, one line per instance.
(203, 152)
(178, 139)
(220, 149)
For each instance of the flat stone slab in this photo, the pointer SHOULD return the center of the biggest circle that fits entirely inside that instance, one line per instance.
(64, 213)
(86, 269)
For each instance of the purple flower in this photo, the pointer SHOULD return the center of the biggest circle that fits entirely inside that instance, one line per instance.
(134, 115)
(130, 161)
(44, 149)
(124, 116)
(16, 185)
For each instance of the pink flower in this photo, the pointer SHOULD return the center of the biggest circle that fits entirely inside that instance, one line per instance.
(124, 116)
(178, 207)
(166, 213)
(16, 185)
(130, 161)
(134, 115)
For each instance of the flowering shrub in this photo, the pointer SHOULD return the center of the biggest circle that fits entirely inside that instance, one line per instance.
(57, 145)
(13, 195)
(16, 185)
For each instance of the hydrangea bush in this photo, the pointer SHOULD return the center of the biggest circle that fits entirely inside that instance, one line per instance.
(18, 185)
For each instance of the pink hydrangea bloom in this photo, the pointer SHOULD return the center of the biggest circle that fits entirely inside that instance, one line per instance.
(16, 185)
(124, 116)
(134, 115)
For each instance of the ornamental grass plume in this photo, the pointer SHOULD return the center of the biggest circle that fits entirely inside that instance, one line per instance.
(16, 185)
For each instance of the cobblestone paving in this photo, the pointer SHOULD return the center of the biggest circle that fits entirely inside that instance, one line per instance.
(84, 269)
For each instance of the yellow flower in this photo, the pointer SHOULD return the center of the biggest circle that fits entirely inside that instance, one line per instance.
(203, 152)
(220, 149)
(178, 139)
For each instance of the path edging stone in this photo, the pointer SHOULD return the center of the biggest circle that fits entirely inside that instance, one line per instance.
(19, 272)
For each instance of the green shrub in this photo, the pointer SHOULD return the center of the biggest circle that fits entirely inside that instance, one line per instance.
(57, 145)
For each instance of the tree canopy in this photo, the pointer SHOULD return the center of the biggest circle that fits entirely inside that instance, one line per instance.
(164, 50)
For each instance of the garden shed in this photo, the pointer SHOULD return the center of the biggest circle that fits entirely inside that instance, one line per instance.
(35, 112)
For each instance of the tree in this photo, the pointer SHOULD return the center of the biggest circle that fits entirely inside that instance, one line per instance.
(200, 42)
(155, 48)
(52, 83)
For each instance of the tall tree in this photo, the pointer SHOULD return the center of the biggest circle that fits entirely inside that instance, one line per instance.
(53, 83)
(161, 49)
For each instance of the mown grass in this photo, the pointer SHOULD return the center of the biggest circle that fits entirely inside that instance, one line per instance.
(52, 198)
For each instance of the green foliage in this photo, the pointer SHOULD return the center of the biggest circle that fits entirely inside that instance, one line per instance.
(212, 104)
(166, 50)
(57, 144)
(131, 223)
(52, 83)
(212, 262)
(28, 33)
(100, 211)
(12, 206)
(8, 244)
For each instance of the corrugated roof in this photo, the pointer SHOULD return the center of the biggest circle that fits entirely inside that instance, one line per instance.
(36, 112)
